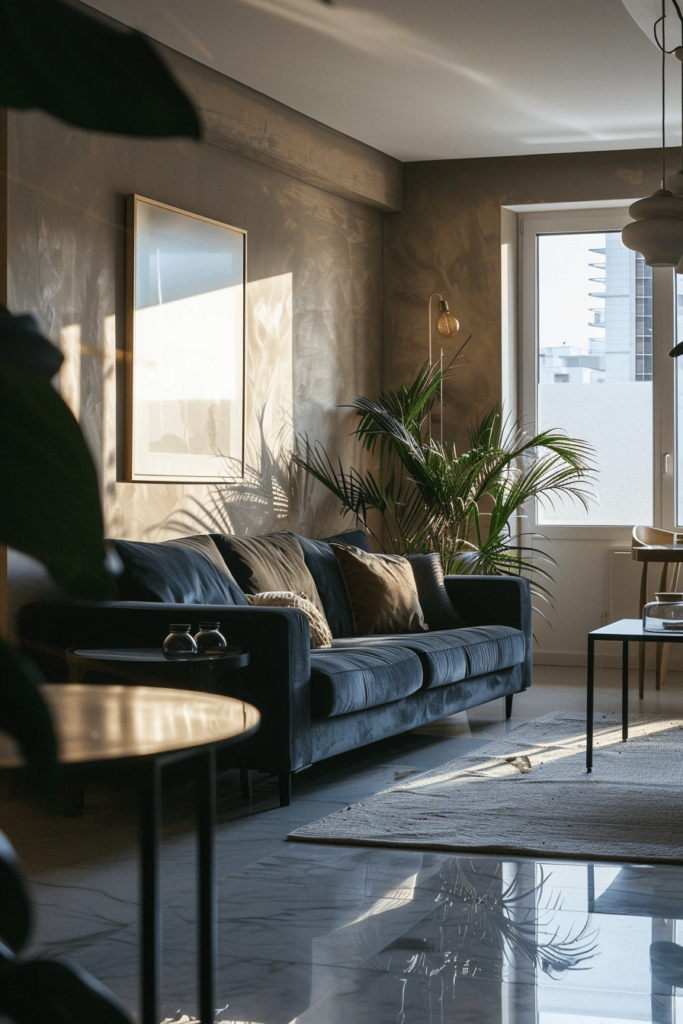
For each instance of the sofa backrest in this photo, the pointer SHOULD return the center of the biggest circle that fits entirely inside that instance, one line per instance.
(188, 570)
(192, 570)
(322, 564)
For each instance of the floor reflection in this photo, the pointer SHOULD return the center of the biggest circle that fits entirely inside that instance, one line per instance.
(432, 939)
(458, 939)
(482, 923)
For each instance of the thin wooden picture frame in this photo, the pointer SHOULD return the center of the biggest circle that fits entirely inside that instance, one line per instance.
(186, 278)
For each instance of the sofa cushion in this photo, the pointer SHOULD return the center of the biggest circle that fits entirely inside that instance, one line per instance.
(490, 648)
(453, 654)
(436, 605)
(272, 563)
(188, 570)
(382, 592)
(351, 680)
(321, 562)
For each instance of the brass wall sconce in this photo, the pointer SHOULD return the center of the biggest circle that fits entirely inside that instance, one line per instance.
(447, 326)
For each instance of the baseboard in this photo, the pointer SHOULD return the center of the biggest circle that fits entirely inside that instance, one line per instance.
(603, 659)
(568, 659)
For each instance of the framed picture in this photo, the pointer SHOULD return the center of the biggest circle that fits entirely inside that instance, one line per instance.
(185, 339)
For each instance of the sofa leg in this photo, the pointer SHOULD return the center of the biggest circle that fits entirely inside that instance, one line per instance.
(245, 783)
(285, 782)
(508, 705)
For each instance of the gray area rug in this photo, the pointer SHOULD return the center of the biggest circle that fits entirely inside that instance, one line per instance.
(528, 793)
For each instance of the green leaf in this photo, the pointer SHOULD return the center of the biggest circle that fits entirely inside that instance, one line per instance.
(25, 716)
(56, 993)
(15, 906)
(51, 504)
(433, 498)
(88, 73)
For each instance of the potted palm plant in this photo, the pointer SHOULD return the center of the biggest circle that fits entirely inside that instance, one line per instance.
(467, 505)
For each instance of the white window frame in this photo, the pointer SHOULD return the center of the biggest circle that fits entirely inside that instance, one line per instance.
(573, 218)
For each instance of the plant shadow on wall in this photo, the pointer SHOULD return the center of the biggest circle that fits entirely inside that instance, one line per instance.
(466, 505)
(478, 925)
(77, 68)
(271, 495)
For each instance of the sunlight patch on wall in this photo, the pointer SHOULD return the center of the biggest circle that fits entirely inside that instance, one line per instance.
(69, 377)
(108, 481)
(270, 364)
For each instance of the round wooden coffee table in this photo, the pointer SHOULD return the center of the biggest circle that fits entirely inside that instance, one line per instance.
(148, 728)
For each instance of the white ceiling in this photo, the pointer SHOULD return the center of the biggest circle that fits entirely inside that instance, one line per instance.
(435, 79)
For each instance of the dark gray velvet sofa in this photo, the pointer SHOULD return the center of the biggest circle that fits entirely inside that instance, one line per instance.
(315, 704)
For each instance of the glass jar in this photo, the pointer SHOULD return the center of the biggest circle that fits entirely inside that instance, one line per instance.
(179, 643)
(665, 615)
(210, 640)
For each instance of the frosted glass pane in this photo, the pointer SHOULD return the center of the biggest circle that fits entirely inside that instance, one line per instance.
(595, 370)
(617, 420)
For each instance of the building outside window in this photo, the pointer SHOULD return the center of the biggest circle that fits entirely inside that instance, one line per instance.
(621, 348)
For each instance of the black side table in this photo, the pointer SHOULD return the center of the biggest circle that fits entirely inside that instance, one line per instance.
(626, 631)
(146, 666)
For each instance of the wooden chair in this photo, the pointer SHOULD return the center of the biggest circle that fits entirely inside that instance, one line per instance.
(649, 544)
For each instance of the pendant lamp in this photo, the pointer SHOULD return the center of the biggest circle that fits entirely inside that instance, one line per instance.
(657, 227)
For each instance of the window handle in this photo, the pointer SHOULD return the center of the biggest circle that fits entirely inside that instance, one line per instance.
(666, 461)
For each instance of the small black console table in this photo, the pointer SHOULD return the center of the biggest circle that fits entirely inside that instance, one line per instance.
(626, 631)
(146, 666)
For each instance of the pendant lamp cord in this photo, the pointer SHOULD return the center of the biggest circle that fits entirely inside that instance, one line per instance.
(662, 46)
(663, 94)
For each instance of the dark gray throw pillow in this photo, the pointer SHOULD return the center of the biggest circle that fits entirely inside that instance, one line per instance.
(436, 605)
(322, 564)
(188, 570)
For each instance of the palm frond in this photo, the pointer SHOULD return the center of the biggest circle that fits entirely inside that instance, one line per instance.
(465, 504)
(350, 488)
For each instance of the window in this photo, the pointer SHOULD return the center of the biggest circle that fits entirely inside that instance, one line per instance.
(597, 324)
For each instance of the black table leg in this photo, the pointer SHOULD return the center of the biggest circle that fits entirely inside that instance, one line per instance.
(150, 835)
(245, 784)
(206, 884)
(624, 690)
(285, 786)
(589, 704)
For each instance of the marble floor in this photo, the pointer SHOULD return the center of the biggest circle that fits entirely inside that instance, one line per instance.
(327, 934)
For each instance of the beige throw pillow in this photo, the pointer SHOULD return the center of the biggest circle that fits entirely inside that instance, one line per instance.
(321, 635)
(381, 591)
(273, 563)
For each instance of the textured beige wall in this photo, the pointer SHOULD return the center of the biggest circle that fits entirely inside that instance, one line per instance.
(447, 239)
(314, 263)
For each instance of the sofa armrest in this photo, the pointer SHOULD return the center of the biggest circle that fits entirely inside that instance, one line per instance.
(495, 601)
(277, 680)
